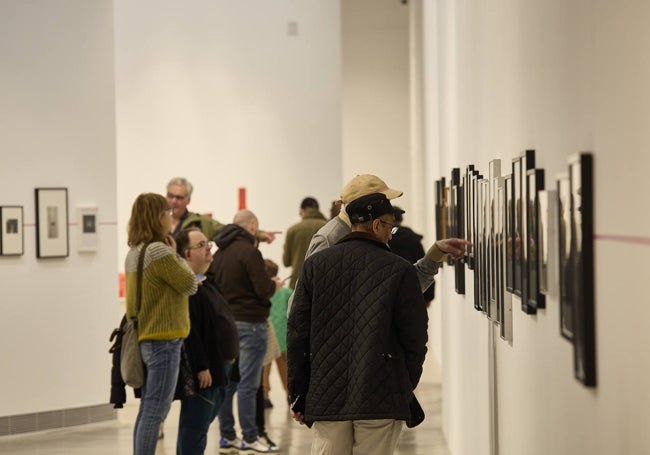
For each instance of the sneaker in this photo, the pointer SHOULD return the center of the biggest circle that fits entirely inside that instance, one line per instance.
(229, 446)
(266, 440)
(257, 446)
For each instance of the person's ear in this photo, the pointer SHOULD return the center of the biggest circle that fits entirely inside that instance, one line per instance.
(375, 226)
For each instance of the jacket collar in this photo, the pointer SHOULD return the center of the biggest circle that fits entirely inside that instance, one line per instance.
(359, 235)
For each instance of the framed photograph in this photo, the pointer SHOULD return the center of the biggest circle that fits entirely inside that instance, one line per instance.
(582, 267)
(564, 256)
(467, 213)
(482, 261)
(534, 184)
(12, 238)
(476, 197)
(458, 230)
(440, 188)
(87, 227)
(509, 223)
(493, 175)
(51, 222)
(547, 235)
(527, 163)
(499, 234)
(517, 225)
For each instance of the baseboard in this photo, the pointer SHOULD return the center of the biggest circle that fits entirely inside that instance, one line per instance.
(49, 420)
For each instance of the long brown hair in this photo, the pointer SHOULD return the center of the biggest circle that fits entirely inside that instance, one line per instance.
(145, 224)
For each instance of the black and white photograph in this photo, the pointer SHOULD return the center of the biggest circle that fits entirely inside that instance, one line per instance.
(517, 192)
(12, 239)
(87, 226)
(534, 184)
(564, 256)
(509, 233)
(547, 236)
(582, 267)
(494, 173)
(51, 222)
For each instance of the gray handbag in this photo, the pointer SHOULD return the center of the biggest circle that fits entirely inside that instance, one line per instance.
(131, 365)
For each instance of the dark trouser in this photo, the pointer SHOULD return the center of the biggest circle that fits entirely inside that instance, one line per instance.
(197, 413)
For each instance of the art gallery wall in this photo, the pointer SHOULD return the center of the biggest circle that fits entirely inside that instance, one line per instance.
(558, 77)
(57, 116)
(229, 95)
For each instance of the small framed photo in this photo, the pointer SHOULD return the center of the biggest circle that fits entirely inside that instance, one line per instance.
(564, 255)
(51, 222)
(494, 174)
(467, 213)
(534, 184)
(547, 258)
(517, 226)
(458, 226)
(509, 233)
(582, 268)
(12, 238)
(87, 227)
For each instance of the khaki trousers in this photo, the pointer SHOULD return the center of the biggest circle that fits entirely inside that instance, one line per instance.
(356, 437)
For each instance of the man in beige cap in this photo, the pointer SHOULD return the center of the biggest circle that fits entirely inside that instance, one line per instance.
(340, 226)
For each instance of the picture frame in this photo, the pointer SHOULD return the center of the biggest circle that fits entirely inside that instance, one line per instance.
(517, 202)
(509, 223)
(87, 225)
(504, 308)
(467, 214)
(582, 267)
(52, 237)
(564, 256)
(534, 184)
(439, 196)
(494, 172)
(458, 227)
(499, 234)
(547, 235)
(476, 197)
(527, 163)
(12, 241)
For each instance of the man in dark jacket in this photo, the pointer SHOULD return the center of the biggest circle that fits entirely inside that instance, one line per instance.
(356, 337)
(407, 244)
(239, 273)
(299, 235)
(212, 346)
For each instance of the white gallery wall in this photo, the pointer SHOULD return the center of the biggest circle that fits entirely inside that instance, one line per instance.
(558, 77)
(229, 95)
(57, 130)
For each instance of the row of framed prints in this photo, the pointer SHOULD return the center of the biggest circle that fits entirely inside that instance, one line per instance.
(52, 237)
(530, 239)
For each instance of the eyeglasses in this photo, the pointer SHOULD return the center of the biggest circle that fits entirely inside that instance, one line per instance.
(178, 197)
(202, 244)
(393, 228)
(169, 210)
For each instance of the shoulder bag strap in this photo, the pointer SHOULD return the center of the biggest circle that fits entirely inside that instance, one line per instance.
(140, 273)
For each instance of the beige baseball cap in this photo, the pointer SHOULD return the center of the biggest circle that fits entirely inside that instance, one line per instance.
(364, 184)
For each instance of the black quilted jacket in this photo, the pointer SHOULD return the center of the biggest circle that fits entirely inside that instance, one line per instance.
(357, 333)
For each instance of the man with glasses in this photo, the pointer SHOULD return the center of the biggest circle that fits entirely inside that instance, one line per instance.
(338, 227)
(356, 337)
(212, 346)
(179, 194)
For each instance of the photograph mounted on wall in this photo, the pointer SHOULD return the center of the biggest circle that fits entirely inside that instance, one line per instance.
(51, 222)
(564, 256)
(534, 184)
(12, 239)
(581, 264)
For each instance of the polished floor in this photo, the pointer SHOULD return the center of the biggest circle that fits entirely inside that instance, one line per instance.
(115, 437)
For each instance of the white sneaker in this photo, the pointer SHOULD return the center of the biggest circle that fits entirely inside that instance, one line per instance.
(257, 446)
(229, 446)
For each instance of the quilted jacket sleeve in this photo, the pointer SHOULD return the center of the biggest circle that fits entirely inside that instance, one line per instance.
(298, 337)
(412, 320)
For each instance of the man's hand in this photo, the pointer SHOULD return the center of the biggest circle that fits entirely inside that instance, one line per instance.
(269, 236)
(455, 247)
(298, 417)
(205, 379)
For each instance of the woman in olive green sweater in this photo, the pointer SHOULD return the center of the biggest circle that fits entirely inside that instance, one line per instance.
(163, 315)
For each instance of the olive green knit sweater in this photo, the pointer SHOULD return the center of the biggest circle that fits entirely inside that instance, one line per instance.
(166, 283)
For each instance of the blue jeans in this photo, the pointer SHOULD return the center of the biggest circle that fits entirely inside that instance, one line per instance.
(162, 359)
(197, 413)
(252, 348)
